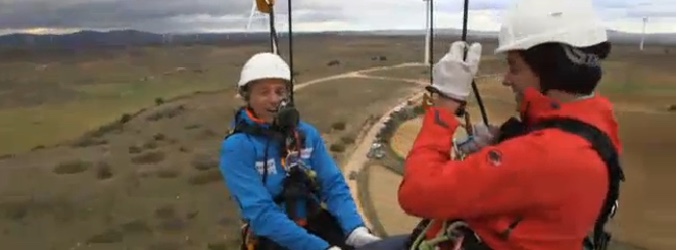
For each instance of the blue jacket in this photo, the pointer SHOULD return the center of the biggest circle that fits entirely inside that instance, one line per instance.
(242, 168)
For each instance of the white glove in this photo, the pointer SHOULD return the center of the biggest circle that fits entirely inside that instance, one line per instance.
(334, 248)
(482, 136)
(451, 75)
(360, 237)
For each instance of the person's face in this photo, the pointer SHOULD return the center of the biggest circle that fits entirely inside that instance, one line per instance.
(265, 96)
(519, 76)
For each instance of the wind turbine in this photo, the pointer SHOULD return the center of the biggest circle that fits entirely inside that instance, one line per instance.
(251, 16)
(641, 42)
(428, 34)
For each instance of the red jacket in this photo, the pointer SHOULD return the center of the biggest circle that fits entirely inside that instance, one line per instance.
(552, 179)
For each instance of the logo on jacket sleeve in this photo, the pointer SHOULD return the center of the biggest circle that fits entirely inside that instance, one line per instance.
(494, 157)
(272, 168)
(306, 152)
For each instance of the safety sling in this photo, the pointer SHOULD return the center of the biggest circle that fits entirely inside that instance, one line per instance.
(300, 183)
(458, 234)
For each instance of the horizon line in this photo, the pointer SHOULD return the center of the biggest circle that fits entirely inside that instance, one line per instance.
(282, 31)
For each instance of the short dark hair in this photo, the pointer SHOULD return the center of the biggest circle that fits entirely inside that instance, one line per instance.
(567, 68)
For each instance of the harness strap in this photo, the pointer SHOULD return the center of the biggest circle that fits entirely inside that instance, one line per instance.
(606, 150)
(599, 141)
(299, 182)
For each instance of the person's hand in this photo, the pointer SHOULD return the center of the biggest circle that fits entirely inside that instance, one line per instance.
(334, 248)
(360, 237)
(482, 136)
(453, 76)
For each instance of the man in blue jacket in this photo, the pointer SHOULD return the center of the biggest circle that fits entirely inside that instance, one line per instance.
(291, 196)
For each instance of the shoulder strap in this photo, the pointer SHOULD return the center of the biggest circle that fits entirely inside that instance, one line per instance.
(248, 129)
(603, 145)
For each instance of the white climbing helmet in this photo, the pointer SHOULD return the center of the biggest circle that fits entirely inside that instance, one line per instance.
(264, 65)
(532, 22)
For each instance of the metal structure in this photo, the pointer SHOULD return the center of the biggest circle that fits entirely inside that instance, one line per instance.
(641, 42)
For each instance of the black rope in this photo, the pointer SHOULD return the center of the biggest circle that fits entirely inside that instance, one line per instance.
(430, 40)
(291, 53)
(475, 90)
(274, 43)
(273, 32)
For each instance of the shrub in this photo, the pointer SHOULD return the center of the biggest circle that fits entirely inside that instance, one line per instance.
(72, 167)
(337, 147)
(206, 177)
(159, 101)
(348, 139)
(204, 162)
(149, 157)
(339, 126)
(103, 171)
(125, 118)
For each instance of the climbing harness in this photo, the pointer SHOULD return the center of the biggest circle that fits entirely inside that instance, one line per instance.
(605, 149)
(299, 184)
(459, 235)
(427, 98)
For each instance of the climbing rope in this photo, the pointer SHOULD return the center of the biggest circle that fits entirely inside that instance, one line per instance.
(450, 232)
(428, 97)
(268, 7)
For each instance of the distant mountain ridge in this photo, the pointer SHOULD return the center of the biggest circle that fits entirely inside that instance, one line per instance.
(89, 39)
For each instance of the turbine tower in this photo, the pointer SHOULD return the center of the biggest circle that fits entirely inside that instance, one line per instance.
(251, 16)
(641, 42)
(428, 16)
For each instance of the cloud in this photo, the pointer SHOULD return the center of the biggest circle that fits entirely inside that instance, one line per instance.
(223, 15)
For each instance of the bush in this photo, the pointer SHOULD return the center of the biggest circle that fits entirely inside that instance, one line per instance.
(206, 177)
(150, 157)
(89, 141)
(168, 173)
(134, 149)
(72, 167)
(348, 139)
(339, 126)
(159, 101)
(204, 162)
(109, 236)
(419, 110)
(103, 171)
(159, 137)
(337, 147)
(150, 145)
(165, 212)
(125, 118)
(135, 226)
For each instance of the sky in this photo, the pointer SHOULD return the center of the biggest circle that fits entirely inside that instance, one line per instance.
(179, 16)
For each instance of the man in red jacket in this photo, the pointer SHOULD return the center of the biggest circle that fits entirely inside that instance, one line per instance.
(545, 186)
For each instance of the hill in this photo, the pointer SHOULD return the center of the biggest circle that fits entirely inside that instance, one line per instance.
(124, 38)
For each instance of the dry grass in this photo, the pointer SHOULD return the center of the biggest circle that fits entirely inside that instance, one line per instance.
(404, 136)
(382, 188)
(95, 90)
(43, 210)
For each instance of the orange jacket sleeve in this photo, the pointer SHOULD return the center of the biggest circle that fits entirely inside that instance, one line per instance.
(492, 181)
